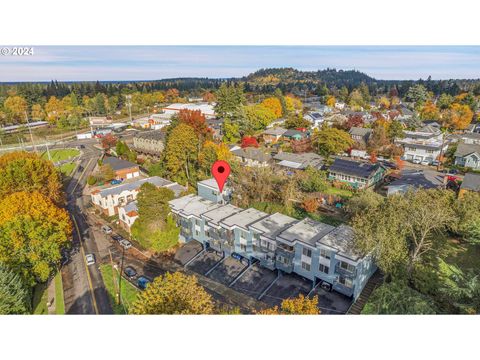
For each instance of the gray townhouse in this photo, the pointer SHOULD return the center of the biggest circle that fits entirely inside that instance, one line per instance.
(314, 250)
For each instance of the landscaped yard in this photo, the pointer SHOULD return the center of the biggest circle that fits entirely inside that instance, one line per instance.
(40, 298)
(338, 192)
(129, 292)
(67, 168)
(59, 301)
(61, 154)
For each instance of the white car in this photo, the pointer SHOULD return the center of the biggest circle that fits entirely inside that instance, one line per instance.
(106, 229)
(125, 244)
(90, 258)
(416, 161)
(425, 162)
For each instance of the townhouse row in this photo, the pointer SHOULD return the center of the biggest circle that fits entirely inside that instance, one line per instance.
(314, 250)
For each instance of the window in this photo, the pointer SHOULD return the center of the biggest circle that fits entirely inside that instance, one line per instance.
(325, 254)
(346, 266)
(345, 281)
(323, 268)
(307, 252)
(305, 266)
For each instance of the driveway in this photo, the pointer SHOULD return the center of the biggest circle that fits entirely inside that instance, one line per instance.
(227, 271)
(187, 252)
(331, 302)
(287, 286)
(204, 262)
(254, 281)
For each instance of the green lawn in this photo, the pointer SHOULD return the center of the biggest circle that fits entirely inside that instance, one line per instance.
(338, 192)
(59, 301)
(67, 168)
(40, 298)
(61, 154)
(129, 292)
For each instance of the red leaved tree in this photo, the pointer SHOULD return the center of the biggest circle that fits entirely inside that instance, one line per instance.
(249, 141)
(109, 141)
(196, 120)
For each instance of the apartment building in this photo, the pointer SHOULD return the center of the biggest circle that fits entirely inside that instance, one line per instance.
(314, 250)
(425, 145)
(150, 142)
(109, 200)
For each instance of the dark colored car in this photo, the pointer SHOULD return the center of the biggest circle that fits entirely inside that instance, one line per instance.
(130, 272)
(117, 237)
(143, 281)
(82, 146)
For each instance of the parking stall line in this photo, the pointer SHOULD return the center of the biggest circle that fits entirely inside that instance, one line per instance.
(269, 286)
(216, 265)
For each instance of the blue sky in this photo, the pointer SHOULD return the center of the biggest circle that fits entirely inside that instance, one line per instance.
(69, 63)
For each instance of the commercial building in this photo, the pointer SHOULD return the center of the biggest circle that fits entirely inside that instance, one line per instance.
(314, 250)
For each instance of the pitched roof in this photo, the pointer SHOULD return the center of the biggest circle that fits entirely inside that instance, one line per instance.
(471, 182)
(151, 135)
(418, 179)
(135, 185)
(303, 160)
(359, 131)
(467, 149)
(253, 154)
(276, 131)
(355, 168)
(292, 133)
(117, 163)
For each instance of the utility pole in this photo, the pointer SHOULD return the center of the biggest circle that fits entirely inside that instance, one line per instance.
(129, 104)
(30, 131)
(48, 151)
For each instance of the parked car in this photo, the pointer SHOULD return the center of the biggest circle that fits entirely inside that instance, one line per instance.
(416, 161)
(125, 244)
(435, 163)
(80, 168)
(107, 229)
(143, 281)
(82, 146)
(90, 258)
(425, 162)
(130, 272)
(116, 182)
(117, 237)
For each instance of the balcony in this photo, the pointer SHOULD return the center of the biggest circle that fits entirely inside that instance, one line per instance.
(345, 272)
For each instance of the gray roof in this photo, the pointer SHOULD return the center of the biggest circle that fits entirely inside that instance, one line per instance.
(211, 183)
(355, 168)
(218, 214)
(192, 205)
(418, 179)
(276, 131)
(471, 182)
(176, 188)
(151, 135)
(273, 225)
(131, 206)
(244, 218)
(467, 149)
(342, 239)
(117, 163)
(253, 154)
(305, 159)
(470, 135)
(292, 132)
(155, 180)
(307, 231)
(359, 131)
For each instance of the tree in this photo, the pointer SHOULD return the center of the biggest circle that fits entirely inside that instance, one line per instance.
(362, 202)
(330, 101)
(313, 180)
(22, 171)
(208, 97)
(197, 121)
(14, 293)
(353, 121)
(15, 107)
(109, 141)
(54, 109)
(329, 141)
(467, 225)
(121, 148)
(175, 293)
(33, 232)
(38, 114)
(212, 152)
(231, 132)
(417, 94)
(249, 141)
(274, 105)
(310, 204)
(181, 152)
(256, 117)
(355, 99)
(300, 305)
(458, 117)
(107, 172)
(429, 111)
(398, 298)
(296, 121)
(383, 103)
(395, 131)
(444, 101)
(229, 100)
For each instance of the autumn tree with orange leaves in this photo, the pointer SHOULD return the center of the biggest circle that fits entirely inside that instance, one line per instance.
(274, 105)
(196, 120)
(457, 117)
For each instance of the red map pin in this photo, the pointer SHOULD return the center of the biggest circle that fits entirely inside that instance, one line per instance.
(220, 171)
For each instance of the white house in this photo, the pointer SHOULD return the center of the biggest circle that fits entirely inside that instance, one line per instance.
(425, 144)
(127, 215)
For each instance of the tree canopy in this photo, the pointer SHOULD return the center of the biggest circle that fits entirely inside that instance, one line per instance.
(14, 293)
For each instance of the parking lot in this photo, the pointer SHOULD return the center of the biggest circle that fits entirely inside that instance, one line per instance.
(187, 252)
(331, 302)
(204, 262)
(227, 271)
(254, 281)
(287, 286)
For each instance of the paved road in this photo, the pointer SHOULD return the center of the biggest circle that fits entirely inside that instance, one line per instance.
(84, 290)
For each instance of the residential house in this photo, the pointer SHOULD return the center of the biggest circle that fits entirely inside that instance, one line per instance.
(108, 200)
(316, 118)
(471, 182)
(299, 161)
(426, 144)
(127, 215)
(359, 175)
(294, 135)
(123, 169)
(415, 179)
(316, 251)
(360, 135)
(252, 157)
(271, 136)
(470, 138)
(217, 127)
(149, 142)
(468, 155)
